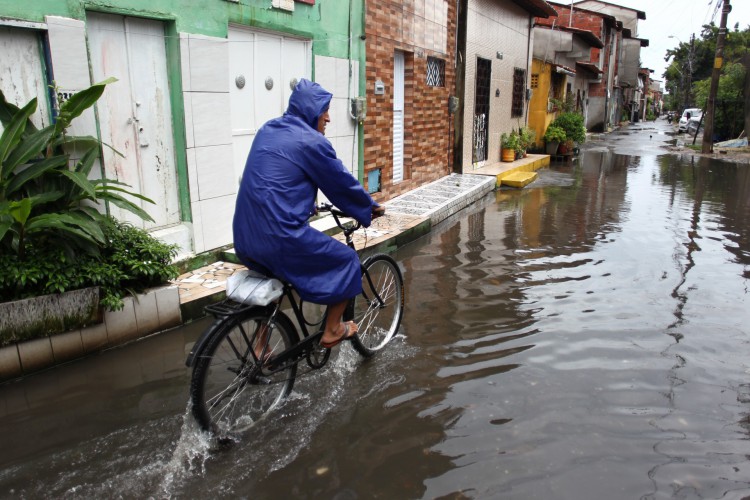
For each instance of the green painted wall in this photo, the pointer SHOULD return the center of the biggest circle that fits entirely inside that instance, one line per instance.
(327, 22)
(335, 27)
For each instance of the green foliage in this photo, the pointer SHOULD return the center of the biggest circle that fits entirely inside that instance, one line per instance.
(554, 134)
(527, 137)
(130, 259)
(688, 76)
(572, 124)
(729, 101)
(46, 196)
(510, 141)
(566, 104)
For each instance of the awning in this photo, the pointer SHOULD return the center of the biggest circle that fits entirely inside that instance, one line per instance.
(559, 68)
(539, 8)
(590, 67)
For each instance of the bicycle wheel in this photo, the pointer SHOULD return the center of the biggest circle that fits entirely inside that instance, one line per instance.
(378, 322)
(230, 391)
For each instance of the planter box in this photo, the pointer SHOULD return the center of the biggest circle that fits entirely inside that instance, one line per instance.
(48, 314)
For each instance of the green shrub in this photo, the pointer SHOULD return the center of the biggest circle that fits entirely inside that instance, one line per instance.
(554, 134)
(527, 136)
(510, 140)
(129, 261)
(572, 124)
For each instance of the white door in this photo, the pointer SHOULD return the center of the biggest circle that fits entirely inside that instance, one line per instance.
(135, 115)
(398, 117)
(22, 75)
(263, 69)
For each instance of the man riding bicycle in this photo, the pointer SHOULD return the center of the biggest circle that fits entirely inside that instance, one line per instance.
(291, 159)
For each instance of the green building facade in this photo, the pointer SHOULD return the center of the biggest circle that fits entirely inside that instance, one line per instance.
(195, 80)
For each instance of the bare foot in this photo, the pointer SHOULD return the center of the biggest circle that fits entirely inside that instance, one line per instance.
(345, 332)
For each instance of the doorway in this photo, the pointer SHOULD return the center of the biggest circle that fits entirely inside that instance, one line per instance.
(480, 132)
(263, 70)
(398, 116)
(135, 114)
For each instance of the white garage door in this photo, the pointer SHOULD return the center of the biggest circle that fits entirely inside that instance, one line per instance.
(262, 70)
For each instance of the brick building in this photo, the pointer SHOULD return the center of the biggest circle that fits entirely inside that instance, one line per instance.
(410, 75)
(603, 100)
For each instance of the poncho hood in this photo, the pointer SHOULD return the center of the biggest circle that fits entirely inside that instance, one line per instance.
(308, 101)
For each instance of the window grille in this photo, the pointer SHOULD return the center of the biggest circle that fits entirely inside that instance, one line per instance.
(519, 78)
(435, 72)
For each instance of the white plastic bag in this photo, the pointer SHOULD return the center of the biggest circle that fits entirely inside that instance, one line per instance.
(250, 287)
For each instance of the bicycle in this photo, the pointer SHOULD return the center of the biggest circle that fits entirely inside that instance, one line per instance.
(246, 361)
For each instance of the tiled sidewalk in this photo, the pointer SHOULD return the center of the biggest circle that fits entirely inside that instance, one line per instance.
(211, 279)
(405, 215)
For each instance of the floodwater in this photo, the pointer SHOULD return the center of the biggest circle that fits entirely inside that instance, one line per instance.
(583, 338)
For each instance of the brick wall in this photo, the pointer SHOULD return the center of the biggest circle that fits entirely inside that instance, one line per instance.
(421, 29)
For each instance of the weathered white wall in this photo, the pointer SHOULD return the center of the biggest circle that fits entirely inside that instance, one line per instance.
(493, 27)
(213, 185)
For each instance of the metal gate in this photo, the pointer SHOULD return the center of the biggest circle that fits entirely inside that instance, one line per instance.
(481, 111)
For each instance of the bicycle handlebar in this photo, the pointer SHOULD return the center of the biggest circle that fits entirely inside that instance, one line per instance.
(338, 214)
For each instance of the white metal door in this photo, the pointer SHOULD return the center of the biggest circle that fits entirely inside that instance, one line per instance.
(135, 115)
(398, 117)
(22, 76)
(262, 70)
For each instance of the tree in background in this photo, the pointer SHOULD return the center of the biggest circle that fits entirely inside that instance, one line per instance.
(697, 57)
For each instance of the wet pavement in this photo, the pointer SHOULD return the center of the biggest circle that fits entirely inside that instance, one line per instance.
(583, 338)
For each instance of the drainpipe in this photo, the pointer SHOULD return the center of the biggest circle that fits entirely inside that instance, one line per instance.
(570, 19)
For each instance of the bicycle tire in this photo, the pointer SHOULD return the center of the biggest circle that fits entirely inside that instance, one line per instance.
(226, 368)
(377, 325)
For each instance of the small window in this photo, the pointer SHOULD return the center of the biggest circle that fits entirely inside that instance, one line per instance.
(519, 78)
(435, 72)
(535, 81)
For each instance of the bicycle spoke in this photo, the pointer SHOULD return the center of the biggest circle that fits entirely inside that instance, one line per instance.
(229, 389)
(378, 310)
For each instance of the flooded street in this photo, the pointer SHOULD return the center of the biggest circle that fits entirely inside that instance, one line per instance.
(585, 337)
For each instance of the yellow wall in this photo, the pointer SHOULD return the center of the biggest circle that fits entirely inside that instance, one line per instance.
(539, 119)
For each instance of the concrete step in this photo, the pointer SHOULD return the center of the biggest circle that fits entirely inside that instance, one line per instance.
(519, 179)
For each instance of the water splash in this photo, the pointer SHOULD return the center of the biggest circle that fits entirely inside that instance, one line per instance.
(189, 457)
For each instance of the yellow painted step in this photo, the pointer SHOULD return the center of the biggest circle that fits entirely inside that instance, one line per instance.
(519, 179)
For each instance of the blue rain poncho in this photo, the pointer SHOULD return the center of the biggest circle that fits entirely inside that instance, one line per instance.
(288, 162)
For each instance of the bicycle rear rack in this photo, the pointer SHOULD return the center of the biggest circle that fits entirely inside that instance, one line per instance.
(227, 307)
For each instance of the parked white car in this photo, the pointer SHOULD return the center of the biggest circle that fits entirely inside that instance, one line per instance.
(690, 114)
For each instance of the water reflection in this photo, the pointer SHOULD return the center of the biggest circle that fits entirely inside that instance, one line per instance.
(585, 337)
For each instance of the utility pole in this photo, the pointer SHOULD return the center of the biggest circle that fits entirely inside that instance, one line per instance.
(708, 129)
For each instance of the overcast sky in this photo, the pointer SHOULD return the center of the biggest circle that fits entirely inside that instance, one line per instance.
(679, 18)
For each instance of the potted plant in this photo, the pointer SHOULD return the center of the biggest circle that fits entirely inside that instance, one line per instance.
(527, 138)
(508, 145)
(565, 147)
(553, 137)
(572, 124)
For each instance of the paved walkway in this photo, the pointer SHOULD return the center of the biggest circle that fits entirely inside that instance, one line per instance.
(408, 217)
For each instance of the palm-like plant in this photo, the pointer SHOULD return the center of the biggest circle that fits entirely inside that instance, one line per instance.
(46, 196)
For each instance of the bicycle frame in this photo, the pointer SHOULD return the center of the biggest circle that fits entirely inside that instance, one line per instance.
(308, 342)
